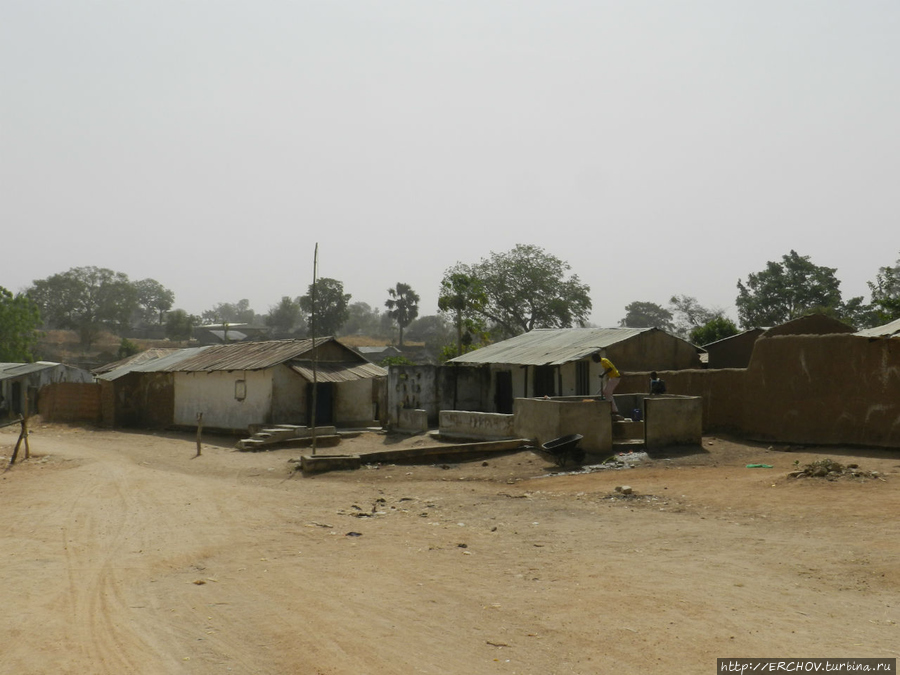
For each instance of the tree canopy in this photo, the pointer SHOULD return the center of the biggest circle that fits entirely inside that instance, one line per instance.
(331, 306)
(787, 290)
(885, 292)
(154, 300)
(527, 288)
(180, 325)
(363, 320)
(284, 317)
(20, 319)
(717, 328)
(86, 299)
(402, 305)
(647, 315)
(462, 297)
(688, 314)
(226, 312)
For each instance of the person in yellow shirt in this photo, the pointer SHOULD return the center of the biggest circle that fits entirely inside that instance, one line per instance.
(612, 375)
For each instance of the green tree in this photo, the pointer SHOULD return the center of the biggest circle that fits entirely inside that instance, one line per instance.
(180, 325)
(717, 328)
(331, 306)
(402, 305)
(527, 288)
(226, 312)
(885, 292)
(787, 290)
(430, 329)
(689, 314)
(363, 320)
(462, 297)
(647, 315)
(86, 299)
(285, 316)
(127, 348)
(20, 319)
(154, 300)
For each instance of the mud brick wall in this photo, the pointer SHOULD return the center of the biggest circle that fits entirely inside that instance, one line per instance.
(70, 402)
(811, 389)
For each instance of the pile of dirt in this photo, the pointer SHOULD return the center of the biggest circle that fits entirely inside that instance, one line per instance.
(829, 469)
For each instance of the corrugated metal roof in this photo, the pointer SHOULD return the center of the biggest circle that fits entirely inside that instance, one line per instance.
(135, 359)
(248, 355)
(891, 329)
(160, 363)
(11, 370)
(338, 372)
(549, 346)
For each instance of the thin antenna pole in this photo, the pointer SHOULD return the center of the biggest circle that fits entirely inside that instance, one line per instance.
(315, 357)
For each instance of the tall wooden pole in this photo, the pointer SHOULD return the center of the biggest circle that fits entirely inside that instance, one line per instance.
(199, 433)
(315, 391)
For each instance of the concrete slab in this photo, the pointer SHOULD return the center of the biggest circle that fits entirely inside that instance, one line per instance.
(321, 463)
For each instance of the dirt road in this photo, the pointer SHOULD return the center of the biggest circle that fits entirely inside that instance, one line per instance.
(122, 554)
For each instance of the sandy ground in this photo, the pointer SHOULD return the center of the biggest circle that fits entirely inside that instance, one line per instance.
(121, 553)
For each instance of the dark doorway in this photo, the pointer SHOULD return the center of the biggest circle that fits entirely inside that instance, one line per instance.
(503, 392)
(544, 381)
(582, 378)
(15, 395)
(324, 403)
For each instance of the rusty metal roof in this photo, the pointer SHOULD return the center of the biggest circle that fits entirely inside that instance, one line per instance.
(252, 355)
(330, 371)
(549, 346)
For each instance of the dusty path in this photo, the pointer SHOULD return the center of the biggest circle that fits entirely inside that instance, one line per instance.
(120, 553)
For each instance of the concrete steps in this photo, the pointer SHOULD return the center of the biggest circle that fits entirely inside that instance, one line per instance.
(628, 434)
(290, 435)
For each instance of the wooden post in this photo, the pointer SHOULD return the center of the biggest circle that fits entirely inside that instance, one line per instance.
(199, 432)
(12, 460)
(25, 426)
(25, 436)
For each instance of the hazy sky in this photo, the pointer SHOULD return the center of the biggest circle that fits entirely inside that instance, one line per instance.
(659, 147)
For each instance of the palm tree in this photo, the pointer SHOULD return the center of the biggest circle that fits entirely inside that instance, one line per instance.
(403, 306)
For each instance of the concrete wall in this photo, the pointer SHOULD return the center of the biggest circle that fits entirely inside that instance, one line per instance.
(412, 420)
(354, 404)
(288, 397)
(464, 424)
(435, 388)
(213, 394)
(722, 393)
(543, 420)
(672, 421)
(412, 387)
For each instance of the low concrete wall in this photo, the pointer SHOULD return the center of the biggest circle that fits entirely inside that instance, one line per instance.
(543, 420)
(673, 420)
(412, 420)
(465, 424)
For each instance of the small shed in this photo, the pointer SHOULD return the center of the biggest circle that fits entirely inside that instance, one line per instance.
(733, 351)
(559, 362)
(21, 383)
(244, 384)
